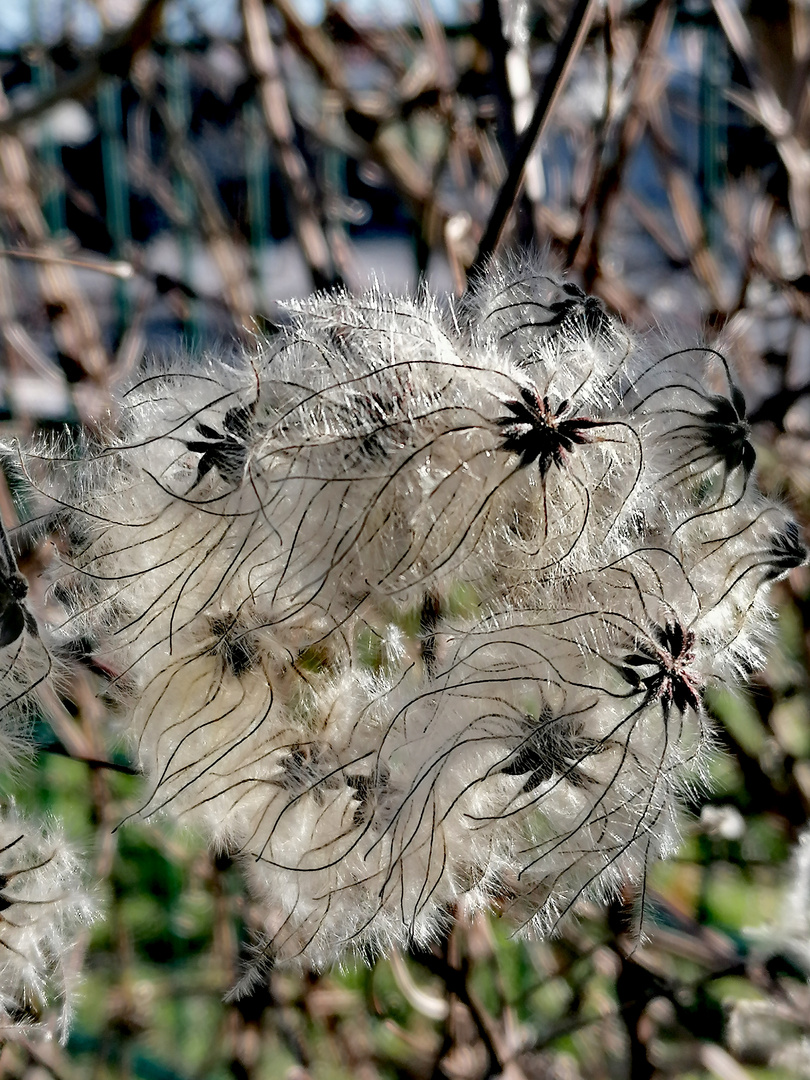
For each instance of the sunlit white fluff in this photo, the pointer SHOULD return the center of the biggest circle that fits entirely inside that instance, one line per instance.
(414, 606)
(45, 904)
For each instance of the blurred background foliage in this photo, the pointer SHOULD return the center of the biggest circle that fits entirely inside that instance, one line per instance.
(171, 172)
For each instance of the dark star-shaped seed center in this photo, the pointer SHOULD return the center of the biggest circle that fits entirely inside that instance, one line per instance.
(536, 432)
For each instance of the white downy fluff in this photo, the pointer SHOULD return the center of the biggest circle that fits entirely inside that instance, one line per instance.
(415, 606)
(43, 905)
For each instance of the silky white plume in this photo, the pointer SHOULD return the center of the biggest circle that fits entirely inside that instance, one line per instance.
(415, 606)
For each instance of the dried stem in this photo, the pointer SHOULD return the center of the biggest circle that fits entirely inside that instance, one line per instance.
(565, 54)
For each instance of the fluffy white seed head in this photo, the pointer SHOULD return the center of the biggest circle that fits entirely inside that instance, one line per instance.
(416, 607)
(44, 903)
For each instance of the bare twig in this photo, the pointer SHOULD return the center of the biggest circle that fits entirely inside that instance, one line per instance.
(774, 117)
(382, 144)
(100, 265)
(305, 217)
(491, 26)
(687, 218)
(455, 979)
(229, 254)
(74, 322)
(585, 247)
(114, 56)
(568, 48)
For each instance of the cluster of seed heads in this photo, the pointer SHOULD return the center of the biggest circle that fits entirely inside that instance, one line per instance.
(413, 609)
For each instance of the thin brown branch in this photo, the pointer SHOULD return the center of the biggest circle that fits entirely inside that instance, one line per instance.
(565, 54)
(455, 979)
(769, 111)
(305, 215)
(74, 322)
(491, 28)
(583, 251)
(687, 217)
(380, 134)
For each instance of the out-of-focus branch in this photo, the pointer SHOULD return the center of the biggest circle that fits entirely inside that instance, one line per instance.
(768, 110)
(17, 339)
(230, 256)
(113, 268)
(568, 48)
(491, 25)
(583, 252)
(456, 981)
(379, 132)
(75, 326)
(305, 216)
(687, 218)
(113, 57)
